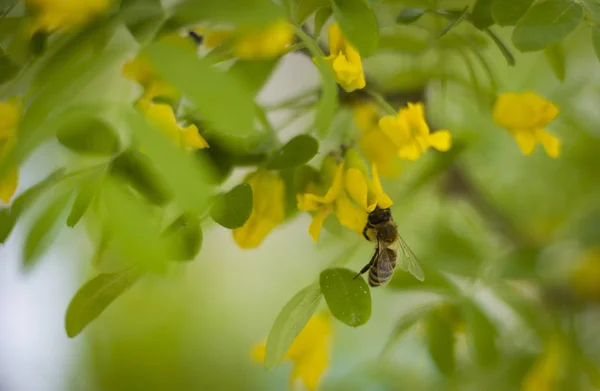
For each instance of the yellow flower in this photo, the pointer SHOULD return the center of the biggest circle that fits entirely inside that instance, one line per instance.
(264, 42)
(367, 193)
(268, 209)
(309, 352)
(51, 15)
(546, 371)
(162, 115)
(525, 115)
(585, 280)
(375, 145)
(335, 201)
(345, 61)
(410, 133)
(10, 113)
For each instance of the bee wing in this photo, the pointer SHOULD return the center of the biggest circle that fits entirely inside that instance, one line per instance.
(408, 261)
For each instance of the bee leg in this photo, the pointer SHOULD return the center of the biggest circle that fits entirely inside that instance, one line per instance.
(368, 265)
(365, 234)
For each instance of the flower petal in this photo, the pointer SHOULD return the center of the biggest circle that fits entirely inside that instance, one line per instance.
(383, 200)
(525, 140)
(317, 223)
(356, 185)
(336, 39)
(192, 138)
(259, 351)
(441, 140)
(550, 142)
(8, 185)
(336, 186)
(349, 215)
(410, 151)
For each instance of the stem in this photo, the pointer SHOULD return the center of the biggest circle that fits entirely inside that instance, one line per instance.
(291, 102)
(380, 100)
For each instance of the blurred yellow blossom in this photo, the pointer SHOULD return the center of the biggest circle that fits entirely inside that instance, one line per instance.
(162, 115)
(309, 352)
(375, 145)
(50, 15)
(345, 61)
(334, 201)
(410, 133)
(268, 209)
(263, 42)
(10, 113)
(546, 371)
(525, 115)
(585, 280)
(367, 193)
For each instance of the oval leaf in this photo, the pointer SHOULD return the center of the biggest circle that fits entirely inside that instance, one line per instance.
(87, 191)
(296, 152)
(93, 298)
(184, 237)
(358, 23)
(321, 17)
(89, 136)
(481, 16)
(481, 334)
(555, 55)
(409, 15)
(232, 209)
(290, 322)
(546, 23)
(508, 12)
(348, 298)
(440, 341)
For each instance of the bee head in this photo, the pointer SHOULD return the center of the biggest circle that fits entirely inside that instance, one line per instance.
(379, 216)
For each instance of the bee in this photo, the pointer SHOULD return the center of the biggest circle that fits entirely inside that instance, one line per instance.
(382, 230)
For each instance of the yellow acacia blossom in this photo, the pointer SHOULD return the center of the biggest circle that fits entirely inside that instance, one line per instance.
(10, 113)
(525, 115)
(344, 60)
(268, 209)
(51, 15)
(410, 133)
(375, 145)
(161, 114)
(546, 371)
(366, 193)
(585, 279)
(309, 352)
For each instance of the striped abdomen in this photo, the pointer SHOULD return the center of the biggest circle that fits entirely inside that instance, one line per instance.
(383, 268)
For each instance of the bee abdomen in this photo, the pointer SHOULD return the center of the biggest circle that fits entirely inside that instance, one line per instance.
(379, 277)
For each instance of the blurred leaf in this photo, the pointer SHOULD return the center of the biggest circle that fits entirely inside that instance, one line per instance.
(232, 209)
(555, 55)
(454, 21)
(236, 12)
(348, 298)
(43, 231)
(184, 236)
(358, 23)
(143, 18)
(593, 7)
(546, 23)
(321, 17)
(215, 94)
(94, 297)
(88, 189)
(407, 321)
(329, 95)
(440, 341)
(402, 42)
(508, 12)
(254, 73)
(481, 334)
(434, 282)
(7, 222)
(530, 314)
(137, 170)
(38, 43)
(88, 136)
(410, 15)
(8, 69)
(596, 39)
(296, 152)
(481, 15)
(290, 322)
(510, 59)
(302, 9)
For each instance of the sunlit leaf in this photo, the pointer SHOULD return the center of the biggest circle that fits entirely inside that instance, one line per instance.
(348, 298)
(555, 55)
(88, 189)
(481, 15)
(546, 23)
(232, 209)
(236, 12)
(296, 152)
(440, 341)
(358, 23)
(481, 334)
(410, 15)
(88, 135)
(43, 231)
(94, 297)
(508, 12)
(290, 322)
(184, 237)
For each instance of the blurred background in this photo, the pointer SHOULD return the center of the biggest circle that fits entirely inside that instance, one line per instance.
(489, 217)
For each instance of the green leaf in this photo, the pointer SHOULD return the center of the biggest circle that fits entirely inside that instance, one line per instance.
(143, 18)
(254, 73)
(405, 323)
(348, 298)
(302, 9)
(290, 322)
(94, 297)
(440, 342)
(508, 12)
(184, 236)
(7, 222)
(235, 12)
(89, 136)
(410, 15)
(481, 15)
(329, 93)
(555, 55)
(43, 231)
(232, 209)
(215, 94)
(87, 191)
(321, 17)
(481, 334)
(8, 68)
(435, 282)
(546, 23)
(593, 7)
(296, 152)
(358, 23)
(596, 39)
